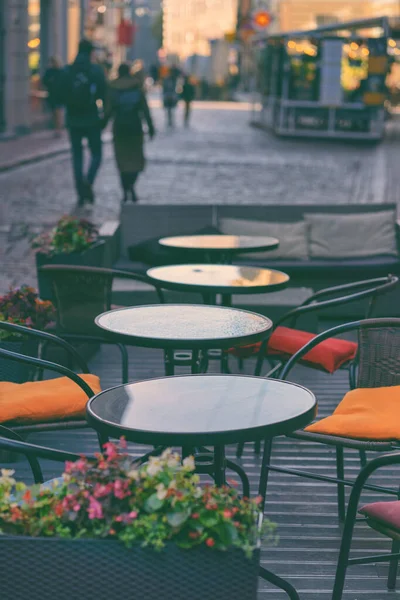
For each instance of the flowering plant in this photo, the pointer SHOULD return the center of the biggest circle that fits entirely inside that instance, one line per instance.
(22, 306)
(69, 235)
(113, 498)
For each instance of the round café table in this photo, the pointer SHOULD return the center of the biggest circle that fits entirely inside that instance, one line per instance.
(192, 327)
(212, 280)
(206, 410)
(219, 248)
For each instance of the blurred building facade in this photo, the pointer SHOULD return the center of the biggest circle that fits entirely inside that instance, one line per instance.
(293, 15)
(188, 26)
(31, 31)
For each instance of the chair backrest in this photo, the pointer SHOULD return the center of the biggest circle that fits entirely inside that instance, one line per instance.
(378, 354)
(80, 293)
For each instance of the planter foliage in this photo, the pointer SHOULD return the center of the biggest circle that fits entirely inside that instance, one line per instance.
(73, 241)
(116, 530)
(22, 306)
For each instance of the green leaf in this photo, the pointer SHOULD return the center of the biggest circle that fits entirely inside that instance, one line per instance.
(227, 533)
(178, 518)
(153, 503)
(208, 519)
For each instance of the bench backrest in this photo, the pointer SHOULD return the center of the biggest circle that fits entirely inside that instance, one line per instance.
(140, 222)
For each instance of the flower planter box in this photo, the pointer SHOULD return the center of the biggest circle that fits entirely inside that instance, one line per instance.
(14, 371)
(53, 568)
(92, 257)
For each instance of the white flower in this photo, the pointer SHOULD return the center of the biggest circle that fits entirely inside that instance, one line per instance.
(134, 474)
(166, 454)
(161, 491)
(7, 476)
(172, 485)
(154, 466)
(7, 472)
(188, 463)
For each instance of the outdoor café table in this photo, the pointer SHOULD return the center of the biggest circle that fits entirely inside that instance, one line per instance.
(211, 280)
(206, 410)
(192, 327)
(219, 248)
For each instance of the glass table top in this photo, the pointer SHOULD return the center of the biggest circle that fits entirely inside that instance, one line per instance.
(185, 323)
(205, 405)
(238, 279)
(222, 243)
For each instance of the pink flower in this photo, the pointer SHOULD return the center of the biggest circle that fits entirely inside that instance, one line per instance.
(95, 510)
(120, 489)
(110, 450)
(133, 514)
(101, 490)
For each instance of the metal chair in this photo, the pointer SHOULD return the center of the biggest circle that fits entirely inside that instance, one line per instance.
(81, 294)
(378, 364)
(344, 561)
(328, 298)
(18, 430)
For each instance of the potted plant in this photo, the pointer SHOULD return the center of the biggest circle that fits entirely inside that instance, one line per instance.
(22, 306)
(73, 241)
(111, 529)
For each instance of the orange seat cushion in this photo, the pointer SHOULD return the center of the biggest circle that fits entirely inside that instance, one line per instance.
(328, 355)
(365, 414)
(44, 401)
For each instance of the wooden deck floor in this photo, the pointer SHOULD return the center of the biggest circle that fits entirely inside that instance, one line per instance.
(305, 511)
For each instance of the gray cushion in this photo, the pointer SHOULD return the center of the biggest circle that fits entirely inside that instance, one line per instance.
(292, 236)
(352, 236)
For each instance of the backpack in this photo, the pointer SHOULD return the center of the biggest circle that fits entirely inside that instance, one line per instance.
(127, 105)
(81, 93)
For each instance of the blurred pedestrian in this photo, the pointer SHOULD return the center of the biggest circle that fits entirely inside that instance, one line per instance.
(188, 94)
(52, 81)
(84, 85)
(170, 98)
(127, 106)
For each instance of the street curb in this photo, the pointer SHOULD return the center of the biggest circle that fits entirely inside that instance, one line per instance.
(28, 160)
(32, 159)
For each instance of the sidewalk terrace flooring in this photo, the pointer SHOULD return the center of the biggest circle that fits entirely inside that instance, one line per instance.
(304, 510)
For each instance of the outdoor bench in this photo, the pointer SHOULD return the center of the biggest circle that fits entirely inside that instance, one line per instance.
(320, 245)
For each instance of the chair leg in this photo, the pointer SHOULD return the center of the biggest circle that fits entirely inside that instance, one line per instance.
(240, 365)
(262, 488)
(340, 487)
(347, 536)
(239, 450)
(124, 361)
(257, 447)
(363, 458)
(393, 566)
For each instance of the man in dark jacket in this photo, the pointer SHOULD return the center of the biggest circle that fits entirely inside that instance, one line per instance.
(84, 84)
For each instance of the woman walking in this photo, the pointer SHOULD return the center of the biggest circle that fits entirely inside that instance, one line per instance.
(128, 108)
(52, 81)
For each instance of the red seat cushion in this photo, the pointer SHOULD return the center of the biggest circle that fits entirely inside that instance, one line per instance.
(385, 513)
(329, 355)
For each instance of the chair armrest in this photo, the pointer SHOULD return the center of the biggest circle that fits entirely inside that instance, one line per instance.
(117, 273)
(49, 337)
(38, 451)
(317, 305)
(383, 283)
(45, 364)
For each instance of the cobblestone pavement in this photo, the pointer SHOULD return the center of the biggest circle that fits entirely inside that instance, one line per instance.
(218, 159)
